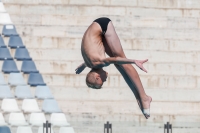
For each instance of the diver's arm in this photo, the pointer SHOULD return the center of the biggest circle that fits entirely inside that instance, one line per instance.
(117, 60)
(120, 61)
(80, 68)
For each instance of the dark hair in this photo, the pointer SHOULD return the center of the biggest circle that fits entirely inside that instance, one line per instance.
(91, 82)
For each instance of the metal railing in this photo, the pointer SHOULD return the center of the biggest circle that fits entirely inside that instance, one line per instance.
(167, 127)
(46, 126)
(107, 128)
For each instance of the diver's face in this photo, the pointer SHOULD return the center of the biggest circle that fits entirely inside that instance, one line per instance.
(101, 76)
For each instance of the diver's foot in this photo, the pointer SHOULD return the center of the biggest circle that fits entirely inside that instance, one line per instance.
(146, 106)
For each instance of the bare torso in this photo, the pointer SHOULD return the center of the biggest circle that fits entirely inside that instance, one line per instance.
(92, 47)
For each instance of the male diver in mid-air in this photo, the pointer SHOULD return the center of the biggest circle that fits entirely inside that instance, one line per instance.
(100, 37)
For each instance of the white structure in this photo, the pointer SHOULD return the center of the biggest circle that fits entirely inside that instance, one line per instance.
(2, 80)
(43, 92)
(23, 91)
(24, 129)
(37, 119)
(59, 119)
(9, 105)
(5, 18)
(2, 120)
(5, 92)
(17, 119)
(2, 9)
(30, 105)
(16, 79)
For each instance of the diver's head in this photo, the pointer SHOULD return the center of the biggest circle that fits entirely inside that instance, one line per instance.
(96, 77)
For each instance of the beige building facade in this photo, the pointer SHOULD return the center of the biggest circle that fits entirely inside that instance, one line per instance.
(167, 32)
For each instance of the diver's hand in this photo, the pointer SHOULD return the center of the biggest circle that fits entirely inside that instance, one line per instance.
(139, 63)
(80, 68)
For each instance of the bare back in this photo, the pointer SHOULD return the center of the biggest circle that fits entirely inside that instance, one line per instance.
(92, 48)
(95, 44)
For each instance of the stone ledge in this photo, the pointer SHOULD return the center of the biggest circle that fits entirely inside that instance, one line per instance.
(176, 4)
(39, 42)
(124, 33)
(179, 82)
(118, 21)
(154, 69)
(153, 56)
(107, 107)
(123, 94)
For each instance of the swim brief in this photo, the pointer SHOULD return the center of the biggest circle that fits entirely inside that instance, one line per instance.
(103, 22)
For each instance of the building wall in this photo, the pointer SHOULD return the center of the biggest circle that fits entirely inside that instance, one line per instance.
(164, 31)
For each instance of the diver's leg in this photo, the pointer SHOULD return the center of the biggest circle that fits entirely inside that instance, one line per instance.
(115, 47)
(120, 69)
(129, 83)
